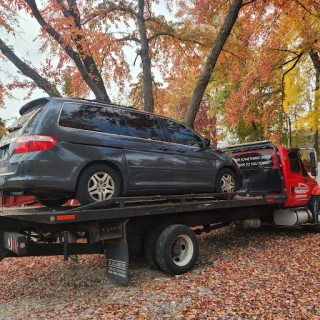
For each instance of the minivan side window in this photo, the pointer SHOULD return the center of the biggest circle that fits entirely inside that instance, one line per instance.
(142, 125)
(88, 117)
(180, 134)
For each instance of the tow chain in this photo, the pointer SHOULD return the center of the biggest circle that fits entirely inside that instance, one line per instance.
(14, 204)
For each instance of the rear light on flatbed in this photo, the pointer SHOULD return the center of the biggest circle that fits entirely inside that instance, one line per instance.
(34, 142)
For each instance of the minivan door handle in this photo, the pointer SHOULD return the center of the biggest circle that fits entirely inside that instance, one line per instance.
(181, 150)
(162, 148)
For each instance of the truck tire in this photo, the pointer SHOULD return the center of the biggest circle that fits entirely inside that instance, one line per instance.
(226, 182)
(177, 249)
(149, 248)
(97, 183)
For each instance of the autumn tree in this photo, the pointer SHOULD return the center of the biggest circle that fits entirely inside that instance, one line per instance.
(269, 42)
(155, 38)
(85, 56)
(91, 38)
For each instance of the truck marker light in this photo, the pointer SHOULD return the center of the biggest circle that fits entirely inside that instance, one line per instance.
(270, 200)
(33, 142)
(316, 191)
(66, 217)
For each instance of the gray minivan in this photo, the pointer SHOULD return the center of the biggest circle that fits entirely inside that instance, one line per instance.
(62, 148)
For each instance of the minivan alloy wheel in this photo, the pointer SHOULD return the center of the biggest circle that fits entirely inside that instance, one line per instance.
(227, 183)
(97, 183)
(101, 186)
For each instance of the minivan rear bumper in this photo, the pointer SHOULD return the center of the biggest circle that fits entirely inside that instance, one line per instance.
(37, 174)
(30, 185)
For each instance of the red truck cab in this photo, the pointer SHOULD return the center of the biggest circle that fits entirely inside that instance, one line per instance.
(276, 169)
(299, 184)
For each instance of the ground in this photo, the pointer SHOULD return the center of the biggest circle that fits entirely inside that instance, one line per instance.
(258, 274)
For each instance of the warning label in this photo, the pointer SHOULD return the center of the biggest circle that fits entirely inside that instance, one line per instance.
(117, 268)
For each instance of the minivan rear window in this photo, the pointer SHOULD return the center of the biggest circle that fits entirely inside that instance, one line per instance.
(22, 126)
(88, 117)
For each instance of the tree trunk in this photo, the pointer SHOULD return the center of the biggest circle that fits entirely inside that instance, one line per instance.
(42, 83)
(211, 62)
(146, 61)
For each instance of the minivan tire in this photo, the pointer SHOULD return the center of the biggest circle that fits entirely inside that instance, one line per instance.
(53, 202)
(98, 183)
(225, 180)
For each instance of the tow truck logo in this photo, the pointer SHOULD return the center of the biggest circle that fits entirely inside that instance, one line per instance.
(302, 188)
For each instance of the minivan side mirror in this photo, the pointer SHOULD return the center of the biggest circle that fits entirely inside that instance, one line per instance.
(314, 164)
(205, 143)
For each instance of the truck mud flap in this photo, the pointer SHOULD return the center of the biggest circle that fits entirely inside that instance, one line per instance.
(118, 257)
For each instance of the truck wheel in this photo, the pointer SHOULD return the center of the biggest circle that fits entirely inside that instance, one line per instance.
(177, 249)
(149, 248)
(226, 182)
(53, 202)
(97, 183)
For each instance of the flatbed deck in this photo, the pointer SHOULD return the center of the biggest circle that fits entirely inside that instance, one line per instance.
(131, 207)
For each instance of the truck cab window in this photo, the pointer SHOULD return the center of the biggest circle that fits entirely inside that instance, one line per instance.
(294, 161)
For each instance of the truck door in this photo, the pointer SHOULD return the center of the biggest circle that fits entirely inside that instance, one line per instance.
(299, 183)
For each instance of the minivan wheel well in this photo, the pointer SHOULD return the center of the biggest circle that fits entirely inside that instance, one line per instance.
(107, 163)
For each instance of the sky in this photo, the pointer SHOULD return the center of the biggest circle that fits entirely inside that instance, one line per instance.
(27, 47)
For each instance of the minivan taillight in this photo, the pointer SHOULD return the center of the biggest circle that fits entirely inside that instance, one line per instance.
(34, 142)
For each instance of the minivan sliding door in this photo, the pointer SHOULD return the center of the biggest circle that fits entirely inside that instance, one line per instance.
(150, 165)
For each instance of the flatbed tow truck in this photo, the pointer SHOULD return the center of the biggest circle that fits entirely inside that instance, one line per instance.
(277, 190)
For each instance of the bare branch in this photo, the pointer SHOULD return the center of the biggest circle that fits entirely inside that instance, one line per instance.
(134, 62)
(297, 59)
(149, 10)
(285, 50)
(249, 2)
(231, 53)
(112, 7)
(129, 38)
(163, 33)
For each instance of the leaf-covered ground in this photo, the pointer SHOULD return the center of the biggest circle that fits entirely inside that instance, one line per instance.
(257, 274)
